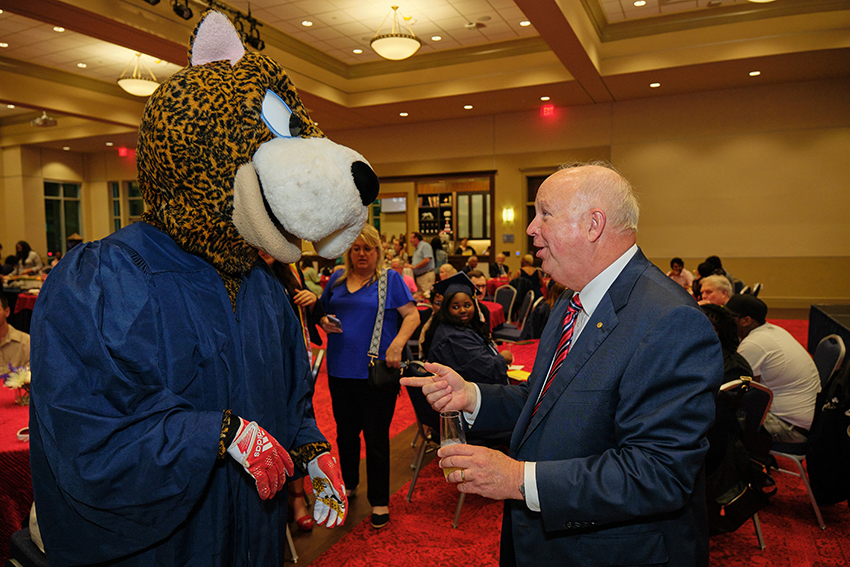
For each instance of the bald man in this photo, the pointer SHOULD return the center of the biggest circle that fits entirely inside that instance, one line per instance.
(609, 431)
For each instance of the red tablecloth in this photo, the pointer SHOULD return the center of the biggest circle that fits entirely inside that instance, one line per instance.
(15, 482)
(497, 313)
(524, 354)
(495, 283)
(25, 301)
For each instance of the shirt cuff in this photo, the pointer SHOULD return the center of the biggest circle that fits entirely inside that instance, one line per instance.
(470, 417)
(532, 498)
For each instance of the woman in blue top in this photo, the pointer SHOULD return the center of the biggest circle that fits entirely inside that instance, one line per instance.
(351, 297)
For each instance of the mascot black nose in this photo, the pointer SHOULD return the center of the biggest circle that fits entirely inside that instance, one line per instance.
(366, 181)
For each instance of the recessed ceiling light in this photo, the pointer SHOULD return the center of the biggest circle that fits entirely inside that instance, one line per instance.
(436, 38)
(544, 98)
(755, 73)
(58, 29)
(525, 23)
(66, 148)
(82, 65)
(654, 85)
(640, 3)
(10, 106)
(357, 51)
(109, 144)
(467, 107)
(306, 23)
(4, 44)
(402, 114)
(761, 1)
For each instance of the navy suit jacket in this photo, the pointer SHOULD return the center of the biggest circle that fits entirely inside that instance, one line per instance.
(619, 438)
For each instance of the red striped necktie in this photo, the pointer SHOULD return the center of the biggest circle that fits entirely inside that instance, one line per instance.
(563, 347)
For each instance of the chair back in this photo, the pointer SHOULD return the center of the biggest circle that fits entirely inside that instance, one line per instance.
(505, 296)
(828, 357)
(756, 289)
(525, 309)
(755, 399)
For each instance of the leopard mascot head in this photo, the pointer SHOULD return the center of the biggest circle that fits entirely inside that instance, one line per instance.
(230, 162)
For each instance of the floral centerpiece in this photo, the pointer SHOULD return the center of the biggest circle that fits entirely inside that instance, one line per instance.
(18, 378)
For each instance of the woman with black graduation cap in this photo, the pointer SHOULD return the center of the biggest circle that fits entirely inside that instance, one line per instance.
(459, 337)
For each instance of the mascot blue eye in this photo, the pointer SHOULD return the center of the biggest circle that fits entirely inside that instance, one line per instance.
(279, 117)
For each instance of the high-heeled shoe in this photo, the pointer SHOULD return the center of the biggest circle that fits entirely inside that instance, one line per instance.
(305, 523)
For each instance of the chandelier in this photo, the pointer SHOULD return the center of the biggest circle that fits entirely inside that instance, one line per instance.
(395, 45)
(138, 84)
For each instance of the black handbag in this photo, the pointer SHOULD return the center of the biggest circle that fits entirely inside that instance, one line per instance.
(381, 377)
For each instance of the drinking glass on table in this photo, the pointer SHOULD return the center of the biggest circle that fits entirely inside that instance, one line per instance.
(451, 432)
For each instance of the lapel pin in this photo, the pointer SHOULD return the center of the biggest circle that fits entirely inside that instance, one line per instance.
(599, 325)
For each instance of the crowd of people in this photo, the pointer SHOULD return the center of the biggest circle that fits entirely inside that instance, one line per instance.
(617, 312)
(766, 352)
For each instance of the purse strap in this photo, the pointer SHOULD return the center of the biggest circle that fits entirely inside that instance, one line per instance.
(375, 345)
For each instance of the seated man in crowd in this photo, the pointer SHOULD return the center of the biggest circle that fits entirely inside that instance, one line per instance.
(715, 289)
(471, 264)
(499, 269)
(680, 275)
(14, 345)
(396, 265)
(480, 282)
(781, 363)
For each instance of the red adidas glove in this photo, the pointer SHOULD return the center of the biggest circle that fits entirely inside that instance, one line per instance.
(262, 456)
(331, 503)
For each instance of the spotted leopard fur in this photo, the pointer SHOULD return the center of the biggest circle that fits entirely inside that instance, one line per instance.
(198, 128)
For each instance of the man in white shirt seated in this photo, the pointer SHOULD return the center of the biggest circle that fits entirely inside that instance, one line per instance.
(781, 363)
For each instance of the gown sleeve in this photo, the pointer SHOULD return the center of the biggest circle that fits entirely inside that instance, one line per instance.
(466, 353)
(101, 410)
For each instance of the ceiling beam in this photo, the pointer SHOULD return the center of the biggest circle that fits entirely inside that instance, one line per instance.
(553, 27)
(99, 26)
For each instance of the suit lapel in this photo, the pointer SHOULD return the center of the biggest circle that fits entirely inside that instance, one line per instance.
(593, 335)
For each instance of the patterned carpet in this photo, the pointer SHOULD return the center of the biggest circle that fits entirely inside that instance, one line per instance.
(420, 533)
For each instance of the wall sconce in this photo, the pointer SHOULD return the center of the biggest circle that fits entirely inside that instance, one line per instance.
(508, 215)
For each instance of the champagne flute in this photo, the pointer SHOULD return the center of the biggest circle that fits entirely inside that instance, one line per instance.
(451, 433)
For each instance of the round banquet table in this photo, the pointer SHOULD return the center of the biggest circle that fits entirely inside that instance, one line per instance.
(15, 481)
(497, 313)
(524, 353)
(495, 283)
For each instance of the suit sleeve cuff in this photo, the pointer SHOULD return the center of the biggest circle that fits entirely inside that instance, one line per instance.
(532, 498)
(470, 417)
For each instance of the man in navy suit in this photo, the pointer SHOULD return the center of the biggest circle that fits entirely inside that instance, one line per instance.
(605, 467)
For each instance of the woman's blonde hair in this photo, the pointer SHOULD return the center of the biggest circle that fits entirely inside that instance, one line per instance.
(370, 236)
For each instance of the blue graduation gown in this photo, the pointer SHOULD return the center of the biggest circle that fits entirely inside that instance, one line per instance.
(461, 349)
(136, 351)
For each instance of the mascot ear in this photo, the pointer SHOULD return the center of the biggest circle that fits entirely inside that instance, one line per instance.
(215, 39)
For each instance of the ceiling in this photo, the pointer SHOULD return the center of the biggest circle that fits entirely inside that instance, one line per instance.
(493, 55)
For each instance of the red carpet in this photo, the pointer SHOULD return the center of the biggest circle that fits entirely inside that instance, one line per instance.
(420, 533)
(402, 419)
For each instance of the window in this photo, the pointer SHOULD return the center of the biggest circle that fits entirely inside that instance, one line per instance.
(127, 203)
(61, 214)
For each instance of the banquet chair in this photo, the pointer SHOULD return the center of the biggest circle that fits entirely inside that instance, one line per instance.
(745, 290)
(755, 399)
(756, 289)
(510, 331)
(505, 296)
(828, 356)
